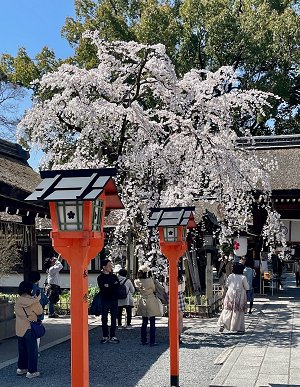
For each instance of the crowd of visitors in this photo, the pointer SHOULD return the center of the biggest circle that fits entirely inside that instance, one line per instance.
(116, 295)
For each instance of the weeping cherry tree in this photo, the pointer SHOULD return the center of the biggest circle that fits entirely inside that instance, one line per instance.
(172, 139)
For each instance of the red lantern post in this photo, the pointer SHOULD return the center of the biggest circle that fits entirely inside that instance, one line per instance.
(172, 224)
(78, 201)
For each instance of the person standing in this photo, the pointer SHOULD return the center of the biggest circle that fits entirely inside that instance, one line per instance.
(242, 261)
(53, 266)
(34, 277)
(148, 306)
(27, 303)
(222, 270)
(127, 302)
(249, 273)
(297, 272)
(108, 284)
(235, 303)
(225, 269)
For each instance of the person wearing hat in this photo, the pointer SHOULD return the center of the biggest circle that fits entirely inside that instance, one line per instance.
(148, 306)
(117, 268)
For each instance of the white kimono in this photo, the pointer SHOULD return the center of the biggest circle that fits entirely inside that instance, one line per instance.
(235, 303)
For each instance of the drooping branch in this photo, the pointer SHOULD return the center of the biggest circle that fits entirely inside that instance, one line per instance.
(71, 127)
(122, 136)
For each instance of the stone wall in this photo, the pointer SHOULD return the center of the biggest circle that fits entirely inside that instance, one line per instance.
(7, 321)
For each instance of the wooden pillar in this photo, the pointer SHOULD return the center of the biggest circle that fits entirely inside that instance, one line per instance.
(29, 247)
(209, 280)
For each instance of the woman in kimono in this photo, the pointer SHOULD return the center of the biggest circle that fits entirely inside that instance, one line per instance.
(232, 317)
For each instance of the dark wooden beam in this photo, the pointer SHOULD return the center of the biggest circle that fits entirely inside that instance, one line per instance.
(12, 205)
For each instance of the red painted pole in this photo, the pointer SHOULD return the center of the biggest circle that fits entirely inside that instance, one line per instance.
(173, 251)
(79, 324)
(173, 322)
(76, 252)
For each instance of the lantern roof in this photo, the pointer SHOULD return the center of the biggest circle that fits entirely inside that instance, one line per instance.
(172, 216)
(77, 184)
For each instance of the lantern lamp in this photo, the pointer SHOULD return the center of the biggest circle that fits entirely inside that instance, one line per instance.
(240, 246)
(172, 224)
(78, 200)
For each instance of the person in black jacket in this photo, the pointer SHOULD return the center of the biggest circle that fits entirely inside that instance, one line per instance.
(108, 284)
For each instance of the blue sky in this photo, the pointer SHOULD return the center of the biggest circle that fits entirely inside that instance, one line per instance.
(33, 24)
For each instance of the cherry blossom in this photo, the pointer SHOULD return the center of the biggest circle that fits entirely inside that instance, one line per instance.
(172, 139)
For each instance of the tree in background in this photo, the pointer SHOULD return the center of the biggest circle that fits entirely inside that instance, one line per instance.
(10, 94)
(16, 75)
(171, 138)
(9, 253)
(259, 38)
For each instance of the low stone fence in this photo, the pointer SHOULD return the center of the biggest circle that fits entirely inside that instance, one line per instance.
(7, 321)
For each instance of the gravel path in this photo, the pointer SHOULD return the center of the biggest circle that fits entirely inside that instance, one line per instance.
(131, 364)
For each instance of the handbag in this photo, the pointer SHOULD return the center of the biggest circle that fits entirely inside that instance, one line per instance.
(37, 328)
(161, 307)
(160, 293)
(96, 306)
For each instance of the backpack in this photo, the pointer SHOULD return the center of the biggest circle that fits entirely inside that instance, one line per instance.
(122, 291)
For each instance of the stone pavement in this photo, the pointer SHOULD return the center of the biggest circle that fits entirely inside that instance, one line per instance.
(268, 354)
(57, 332)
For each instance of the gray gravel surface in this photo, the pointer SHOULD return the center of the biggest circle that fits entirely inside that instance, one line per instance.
(131, 364)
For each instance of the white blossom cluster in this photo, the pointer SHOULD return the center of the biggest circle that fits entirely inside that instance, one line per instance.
(172, 139)
(273, 231)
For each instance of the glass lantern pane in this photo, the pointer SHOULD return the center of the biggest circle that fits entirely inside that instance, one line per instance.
(97, 215)
(170, 234)
(184, 233)
(70, 215)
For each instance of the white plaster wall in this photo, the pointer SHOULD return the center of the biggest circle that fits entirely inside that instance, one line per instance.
(13, 280)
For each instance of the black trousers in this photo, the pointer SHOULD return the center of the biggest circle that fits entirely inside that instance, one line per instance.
(144, 330)
(128, 309)
(109, 306)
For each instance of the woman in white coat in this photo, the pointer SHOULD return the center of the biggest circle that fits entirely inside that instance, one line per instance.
(235, 303)
(127, 302)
